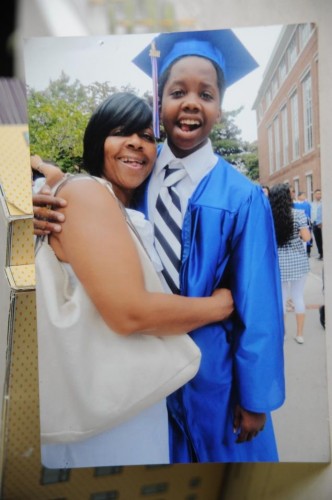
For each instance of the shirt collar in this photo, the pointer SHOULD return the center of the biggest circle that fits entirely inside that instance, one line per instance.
(196, 164)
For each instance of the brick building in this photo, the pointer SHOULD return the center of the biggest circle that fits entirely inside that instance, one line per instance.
(287, 108)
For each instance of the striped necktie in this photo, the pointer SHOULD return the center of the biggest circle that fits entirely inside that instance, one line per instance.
(168, 226)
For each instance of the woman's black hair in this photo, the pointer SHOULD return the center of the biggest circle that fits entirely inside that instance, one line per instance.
(281, 205)
(165, 76)
(122, 109)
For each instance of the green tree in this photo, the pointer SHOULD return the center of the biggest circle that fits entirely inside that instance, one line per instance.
(250, 158)
(226, 141)
(58, 117)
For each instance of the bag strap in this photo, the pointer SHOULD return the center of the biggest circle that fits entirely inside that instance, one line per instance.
(109, 187)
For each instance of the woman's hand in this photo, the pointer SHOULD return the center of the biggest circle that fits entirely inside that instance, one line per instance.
(46, 219)
(225, 299)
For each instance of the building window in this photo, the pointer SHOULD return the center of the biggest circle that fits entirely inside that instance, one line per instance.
(276, 143)
(292, 51)
(268, 97)
(108, 471)
(260, 112)
(305, 31)
(152, 489)
(285, 142)
(310, 188)
(274, 86)
(270, 145)
(295, 126)
(307, 112)
(105, 495)
(283, 70)
(296, 186)
(51, 476)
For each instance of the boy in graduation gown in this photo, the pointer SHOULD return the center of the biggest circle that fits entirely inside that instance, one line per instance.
(227, 237)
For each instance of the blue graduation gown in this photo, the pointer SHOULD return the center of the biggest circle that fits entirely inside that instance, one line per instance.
(228, 239)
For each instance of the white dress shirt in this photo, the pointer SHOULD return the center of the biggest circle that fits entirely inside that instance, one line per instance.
(314, 210)
(197, 165)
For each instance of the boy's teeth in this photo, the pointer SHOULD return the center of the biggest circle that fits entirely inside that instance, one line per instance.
(189, 122)
(188, 125)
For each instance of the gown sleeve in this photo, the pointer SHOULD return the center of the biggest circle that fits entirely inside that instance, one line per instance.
(256, 286)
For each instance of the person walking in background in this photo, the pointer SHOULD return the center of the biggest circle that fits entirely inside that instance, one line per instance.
(292, 230)
(316, 226)
(302, 204)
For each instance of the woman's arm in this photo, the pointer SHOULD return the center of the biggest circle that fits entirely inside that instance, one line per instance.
(96, 241)
(305, 234)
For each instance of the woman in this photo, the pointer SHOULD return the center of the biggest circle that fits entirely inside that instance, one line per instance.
(291, 231)
(119, 146)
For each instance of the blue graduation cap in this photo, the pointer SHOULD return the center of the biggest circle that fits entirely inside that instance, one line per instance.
(220, 46)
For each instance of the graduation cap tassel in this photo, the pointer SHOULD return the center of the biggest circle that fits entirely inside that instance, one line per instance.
(154, 54)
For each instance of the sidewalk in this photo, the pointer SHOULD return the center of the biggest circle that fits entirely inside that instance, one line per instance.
(301, 424)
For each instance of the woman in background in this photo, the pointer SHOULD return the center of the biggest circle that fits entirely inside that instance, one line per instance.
(292, 230)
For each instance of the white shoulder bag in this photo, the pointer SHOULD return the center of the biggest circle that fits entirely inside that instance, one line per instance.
(91, 378)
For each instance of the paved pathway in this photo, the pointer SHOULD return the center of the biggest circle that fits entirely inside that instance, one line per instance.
(301, 425)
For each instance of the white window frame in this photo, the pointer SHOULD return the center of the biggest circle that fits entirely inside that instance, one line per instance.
(307, 113)
(260, 111)
(295, 126)
(271, 149)
(283, 70)
(276, 134)
(292, 51)
(296, 186)
(268, 97)
(274, 86)
(305, 32)
(285, 137)
(309, 186)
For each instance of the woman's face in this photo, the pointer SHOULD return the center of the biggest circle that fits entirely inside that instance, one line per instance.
(128, 160)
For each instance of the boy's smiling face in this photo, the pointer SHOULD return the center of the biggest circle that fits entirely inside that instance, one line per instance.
(190, 104)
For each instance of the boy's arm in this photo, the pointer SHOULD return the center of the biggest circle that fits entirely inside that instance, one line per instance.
(46, 219)
(50, 172)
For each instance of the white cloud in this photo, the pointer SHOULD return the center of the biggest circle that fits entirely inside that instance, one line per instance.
(108, 58)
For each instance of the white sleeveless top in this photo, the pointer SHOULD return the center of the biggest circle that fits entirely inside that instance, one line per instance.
(139, 441)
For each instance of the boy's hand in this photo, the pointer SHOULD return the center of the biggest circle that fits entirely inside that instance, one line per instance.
(46, 220)
(247, 424)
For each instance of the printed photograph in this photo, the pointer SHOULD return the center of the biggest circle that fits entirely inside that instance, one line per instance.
(177, 198)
